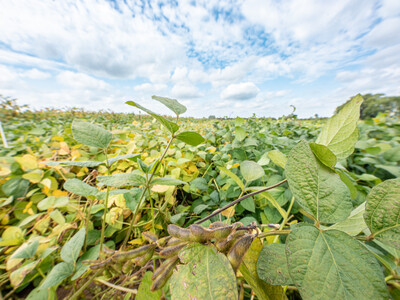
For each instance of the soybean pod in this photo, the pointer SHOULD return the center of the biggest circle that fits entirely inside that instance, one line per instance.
(172, 251)
(178, 232)
(163, 266)
(123, 256)
(162, 277)
(238, 250)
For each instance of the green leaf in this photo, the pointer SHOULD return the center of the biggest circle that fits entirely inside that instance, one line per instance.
(60, 272)
(144, 292)
(382, 212)
(318, 189)
(240, 134)
(122, 179)
(16, 187)
(39, 294)
(248, 204)
(89, 164)
(91, 254)
(324, 155)
(278, 158)
(119, 157)
(171, 126)
(53, 202)
(233, 176)
(205, 274)
(132, 198)
(251, 170)
(190, 137)
(172, 104)
(26, 250)
(340, 133)
(332, 265)
(70, 251)
(167, 181)
(395, 170)
(90, 134)
(103, 195)
(354, 224)
(199, 183)
(272, 265)
(348, 183)
(248, 268)
(80, 188)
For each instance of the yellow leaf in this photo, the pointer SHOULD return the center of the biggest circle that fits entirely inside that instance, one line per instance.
(229, 212)
(4, 171)
(12, 263)
(27, 162)
(120, 201)
(160, 188)
(64, 149)
(58, 138)
(75, 154)
(59, 193)
(136, 242)
(27, 207)
(212, 149)
(158, 226)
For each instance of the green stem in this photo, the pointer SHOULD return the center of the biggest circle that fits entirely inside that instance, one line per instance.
(87, 224)
(143, 194)
(103, 225)
(274, 232)
(152, 210)
(284, 219)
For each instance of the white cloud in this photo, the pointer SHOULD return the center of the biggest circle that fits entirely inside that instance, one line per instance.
(35, 74)
(150, 88)
(81, 81)
(241, 91)
(185, 91)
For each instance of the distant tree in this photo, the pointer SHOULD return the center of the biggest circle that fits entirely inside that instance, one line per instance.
(211, 117)
(375, 103)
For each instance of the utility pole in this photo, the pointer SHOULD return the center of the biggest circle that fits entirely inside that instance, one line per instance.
(3, 136)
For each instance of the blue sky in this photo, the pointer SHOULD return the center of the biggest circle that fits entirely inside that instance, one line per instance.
(223, 58)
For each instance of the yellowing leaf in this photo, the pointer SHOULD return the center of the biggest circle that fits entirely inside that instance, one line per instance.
(229, 212)
(59, 193)
(64, 149)
(58, 138)
(136, 242)
(4, 171)
(34, 176)
(27, 162)
(160, 188)
(75, 154)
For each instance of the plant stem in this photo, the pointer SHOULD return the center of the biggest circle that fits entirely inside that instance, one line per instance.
(274, 232)
(152, 210)
(238, 200)
(143, 194)
(83, 287)
(285, 219)
(103, 225)
(117, 287)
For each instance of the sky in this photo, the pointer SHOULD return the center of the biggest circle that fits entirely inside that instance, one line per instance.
(217, 57)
